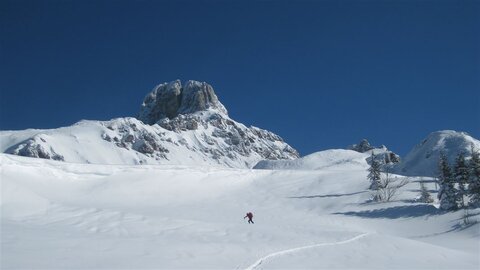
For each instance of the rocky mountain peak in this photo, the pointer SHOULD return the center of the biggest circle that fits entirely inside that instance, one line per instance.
(170, 99)
(177, 124)
(361, 147)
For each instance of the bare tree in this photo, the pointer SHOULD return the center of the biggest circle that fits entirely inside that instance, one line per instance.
(389, 187)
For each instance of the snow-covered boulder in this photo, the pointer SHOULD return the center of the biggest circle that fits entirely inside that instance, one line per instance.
(423, 159)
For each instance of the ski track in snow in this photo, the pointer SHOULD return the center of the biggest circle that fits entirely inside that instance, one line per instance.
(292, 250)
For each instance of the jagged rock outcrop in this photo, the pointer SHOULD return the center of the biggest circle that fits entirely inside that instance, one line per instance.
(195, 107)
(168, 100)
(216, 139)
(382, 154)
(36, 147)
(362, 147)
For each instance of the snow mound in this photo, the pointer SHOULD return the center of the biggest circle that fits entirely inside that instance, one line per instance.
(328, 159)
(423, 159)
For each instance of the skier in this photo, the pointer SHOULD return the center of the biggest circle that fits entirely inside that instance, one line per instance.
(250, 216)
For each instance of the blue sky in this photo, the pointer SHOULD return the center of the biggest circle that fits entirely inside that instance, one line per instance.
(321, 74)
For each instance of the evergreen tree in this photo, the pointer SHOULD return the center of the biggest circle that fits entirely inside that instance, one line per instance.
(447, 193)
(374, 173)
(461, 176)
(424, 194)
(474, 179)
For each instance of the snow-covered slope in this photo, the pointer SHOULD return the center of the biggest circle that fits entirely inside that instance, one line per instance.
(423, 159)
(334, 159)
(328, 159)
(181, 125)
(59, 215)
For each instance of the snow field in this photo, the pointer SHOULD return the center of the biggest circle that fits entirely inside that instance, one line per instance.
(57, 215)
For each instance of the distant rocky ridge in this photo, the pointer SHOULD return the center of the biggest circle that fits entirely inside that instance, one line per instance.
(188, 125)
(176, 125)
(361, 147)
(382, 154)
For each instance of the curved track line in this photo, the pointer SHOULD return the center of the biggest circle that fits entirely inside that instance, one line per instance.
(292, 250)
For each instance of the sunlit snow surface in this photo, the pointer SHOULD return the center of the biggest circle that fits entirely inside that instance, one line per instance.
(57, 215)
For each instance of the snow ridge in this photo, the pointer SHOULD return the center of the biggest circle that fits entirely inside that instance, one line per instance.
(423, 159)
(328, 159)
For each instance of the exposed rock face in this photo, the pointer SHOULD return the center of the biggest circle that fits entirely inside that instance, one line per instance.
(195, 107)
(362, 147)
(168, 100)
(130, 134)
(209, 136)
(36, 147)
(392, 158)
(382, 154)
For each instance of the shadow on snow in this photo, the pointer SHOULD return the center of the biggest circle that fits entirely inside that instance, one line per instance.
(326, 196)
(456, 227)
(396, 212)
